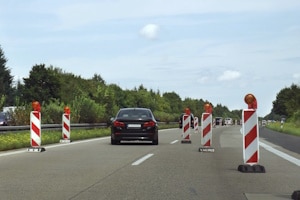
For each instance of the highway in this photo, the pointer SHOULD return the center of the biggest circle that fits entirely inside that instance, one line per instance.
(94, 169)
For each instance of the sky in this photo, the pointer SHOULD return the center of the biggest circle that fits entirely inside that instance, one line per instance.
(214, 50)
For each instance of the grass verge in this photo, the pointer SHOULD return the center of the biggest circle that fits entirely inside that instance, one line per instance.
(288, 128)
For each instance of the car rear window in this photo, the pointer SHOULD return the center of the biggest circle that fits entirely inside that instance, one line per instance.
(134, 113)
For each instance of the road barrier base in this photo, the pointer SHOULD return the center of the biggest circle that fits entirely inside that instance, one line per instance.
(187, 141)
(36, 149)
(245, 168)
(65, 141)
(206, 149)
(296, 195)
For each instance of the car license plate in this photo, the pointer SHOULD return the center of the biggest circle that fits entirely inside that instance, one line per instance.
(134, 126)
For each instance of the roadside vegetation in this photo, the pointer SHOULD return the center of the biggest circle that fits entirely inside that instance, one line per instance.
(287, 128)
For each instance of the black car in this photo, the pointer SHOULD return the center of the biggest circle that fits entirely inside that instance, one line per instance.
(181, 117)
(3, 119)
(134, 124)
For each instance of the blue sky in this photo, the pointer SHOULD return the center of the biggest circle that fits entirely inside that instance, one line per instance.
(212, 50)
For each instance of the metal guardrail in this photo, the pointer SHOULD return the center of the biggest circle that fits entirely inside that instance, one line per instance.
(5, 129)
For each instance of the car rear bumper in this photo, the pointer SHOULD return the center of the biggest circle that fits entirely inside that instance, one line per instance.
(134, 136)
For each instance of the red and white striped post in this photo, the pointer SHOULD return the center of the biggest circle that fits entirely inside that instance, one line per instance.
(186, 126)
(250, 133)
(66, 126)
(250, 137)
(196, 125)
(35, 128)
(206, 129)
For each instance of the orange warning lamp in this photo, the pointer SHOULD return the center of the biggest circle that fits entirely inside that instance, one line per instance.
(251, 101)
(187, 111)
(36, 106)
(67, 110)
(207, 107)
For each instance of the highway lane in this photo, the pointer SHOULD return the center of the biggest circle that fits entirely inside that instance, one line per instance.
(289, 142)
(94, 169)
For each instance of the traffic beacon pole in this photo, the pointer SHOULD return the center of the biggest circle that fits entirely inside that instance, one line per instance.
(35, 128)
(66, 126)
(250, 133)
(206, 129)
(186, 126)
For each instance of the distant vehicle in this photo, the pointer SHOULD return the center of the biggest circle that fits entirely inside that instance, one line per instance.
(134, 124)
(181, 117)
(3, 119)
(264, 122)
(219, 121)
(228, 121)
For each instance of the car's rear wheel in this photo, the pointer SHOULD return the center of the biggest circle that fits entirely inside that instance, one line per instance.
(114, 142)
(155, 141)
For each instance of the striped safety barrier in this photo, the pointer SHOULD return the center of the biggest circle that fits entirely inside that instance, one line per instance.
(250, 133)
(250, 137)
(186, 125)
(196, 125)
(206, 129)
(66, 128)
(206, 133)
(35, 129)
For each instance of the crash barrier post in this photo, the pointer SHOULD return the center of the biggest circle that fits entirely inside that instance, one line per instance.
(66, 126)
(186, 126)
(206, 133)
(35, 129)
(196, 125)
(250, 133)
(206, 129)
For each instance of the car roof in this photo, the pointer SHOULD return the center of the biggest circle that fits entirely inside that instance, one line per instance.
(135, 108)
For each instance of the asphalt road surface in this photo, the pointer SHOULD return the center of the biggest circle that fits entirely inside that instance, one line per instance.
(94, 169)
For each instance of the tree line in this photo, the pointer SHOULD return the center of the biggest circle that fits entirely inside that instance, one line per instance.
(93, 100)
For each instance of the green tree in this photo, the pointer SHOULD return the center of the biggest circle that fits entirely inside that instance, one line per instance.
(6, 90)
(287, 101)
(174, 101)
(42, 85)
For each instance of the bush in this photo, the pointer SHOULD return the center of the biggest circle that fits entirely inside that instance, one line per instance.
(296, 118)
(87, 110)
(52, 112)
(20, 116)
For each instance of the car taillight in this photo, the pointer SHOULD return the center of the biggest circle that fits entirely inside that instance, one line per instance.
(118, 124)
(149, 124)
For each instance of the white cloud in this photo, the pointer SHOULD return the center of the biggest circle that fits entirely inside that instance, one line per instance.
(150, 31)
(229, 75)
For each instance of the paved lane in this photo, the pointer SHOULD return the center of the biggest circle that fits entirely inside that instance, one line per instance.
(95, 169)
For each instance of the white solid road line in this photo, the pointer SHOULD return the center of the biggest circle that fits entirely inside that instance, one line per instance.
(280, 154)
(139, 161)
(23, 150)
(173, 142)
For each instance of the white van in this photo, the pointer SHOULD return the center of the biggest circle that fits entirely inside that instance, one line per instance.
(228, 121)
